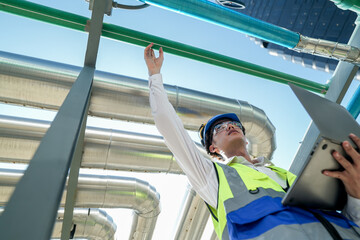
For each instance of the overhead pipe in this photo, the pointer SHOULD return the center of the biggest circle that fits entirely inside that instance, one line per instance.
(89, 223)
(192, 218)
(104, 191)
(225, 17)
(33, 82)
(80, 23)
(103, 148)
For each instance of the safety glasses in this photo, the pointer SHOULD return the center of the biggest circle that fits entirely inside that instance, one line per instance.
(222, 126)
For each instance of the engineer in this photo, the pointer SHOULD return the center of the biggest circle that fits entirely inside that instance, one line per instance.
(243, 194)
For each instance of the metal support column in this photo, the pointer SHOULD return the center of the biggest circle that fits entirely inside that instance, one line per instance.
(340, 82)
(96, 23)
(38, 193)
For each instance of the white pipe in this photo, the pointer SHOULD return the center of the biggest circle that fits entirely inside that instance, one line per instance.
(104, 191)
(89, 223)
(193, 218)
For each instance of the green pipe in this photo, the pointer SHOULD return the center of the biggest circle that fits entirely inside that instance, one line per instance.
(76, 22)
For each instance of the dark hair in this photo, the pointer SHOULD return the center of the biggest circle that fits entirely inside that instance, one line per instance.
(209, 136)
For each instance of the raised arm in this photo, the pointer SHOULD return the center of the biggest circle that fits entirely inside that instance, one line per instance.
(198, 169)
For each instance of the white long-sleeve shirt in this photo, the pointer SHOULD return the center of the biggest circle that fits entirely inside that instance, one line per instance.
(200, 170)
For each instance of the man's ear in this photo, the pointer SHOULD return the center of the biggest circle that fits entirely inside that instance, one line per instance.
(212, 148)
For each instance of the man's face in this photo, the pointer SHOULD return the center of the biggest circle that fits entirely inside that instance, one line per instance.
(227, 134)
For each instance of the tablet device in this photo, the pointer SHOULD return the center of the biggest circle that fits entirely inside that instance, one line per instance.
(311, 188)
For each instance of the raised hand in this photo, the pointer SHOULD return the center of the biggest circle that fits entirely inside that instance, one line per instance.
(153, 63)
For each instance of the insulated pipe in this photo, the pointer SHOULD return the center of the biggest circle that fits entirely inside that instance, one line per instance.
(217, 14)
(103, 148)
(91, 223)
(225, 17)
(103, 191)
(76, 22)
(193, 217)
(44, 84)
(324, 48)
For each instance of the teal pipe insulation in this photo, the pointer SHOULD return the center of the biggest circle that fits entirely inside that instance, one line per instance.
(219, 15)
(354, 104)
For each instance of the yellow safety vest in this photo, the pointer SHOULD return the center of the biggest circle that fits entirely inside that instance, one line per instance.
(249, 207)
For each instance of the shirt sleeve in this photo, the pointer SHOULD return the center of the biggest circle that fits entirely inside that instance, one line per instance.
(199, 170)
(352, 210)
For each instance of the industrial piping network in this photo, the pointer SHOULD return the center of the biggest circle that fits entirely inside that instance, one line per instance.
(45, 84)
(20, 137)
(314, 46)
(88, 223)
(104, 191)
(216, 14)
(80, 23)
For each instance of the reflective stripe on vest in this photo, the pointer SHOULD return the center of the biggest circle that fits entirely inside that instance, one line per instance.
(259, 214)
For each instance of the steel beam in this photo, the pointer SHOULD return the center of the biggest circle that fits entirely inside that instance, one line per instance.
(96, 23)
(340, 82)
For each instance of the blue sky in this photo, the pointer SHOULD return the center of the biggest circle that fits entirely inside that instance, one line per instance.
(41, 40)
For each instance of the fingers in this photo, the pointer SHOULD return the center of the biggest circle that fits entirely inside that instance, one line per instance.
(334, 174)
(161, 53)
(343, 161)
(355, 139)
(147, 51)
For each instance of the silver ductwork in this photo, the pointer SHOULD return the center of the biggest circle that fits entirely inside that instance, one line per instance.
(91, 223)
(329, 49)
(33, 82)
(103, 191)
(193, 218)
(103, 148)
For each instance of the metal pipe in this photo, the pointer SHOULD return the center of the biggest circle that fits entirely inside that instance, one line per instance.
(91, 223)
(103, 148)
(193, 217)
(76, 22)
(104, 191)
(354, 104)
(213, 13)
(44, 84)
(225, 17)
(324, 48)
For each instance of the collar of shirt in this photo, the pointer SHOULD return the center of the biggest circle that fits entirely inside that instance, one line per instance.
(257, 162)
(260, 164)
